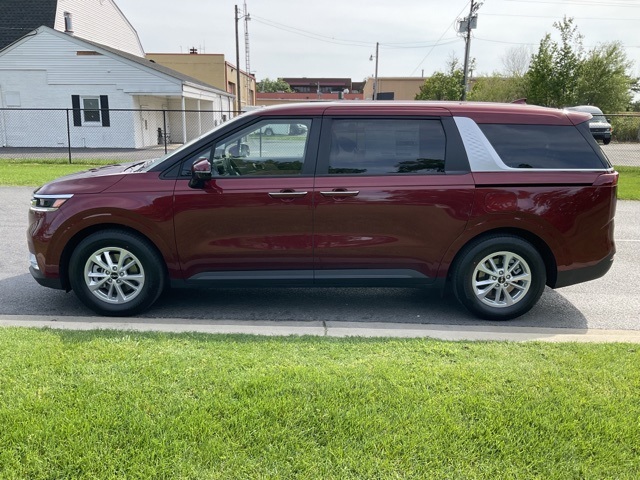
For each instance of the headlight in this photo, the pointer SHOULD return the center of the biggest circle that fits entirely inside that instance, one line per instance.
(48, 203)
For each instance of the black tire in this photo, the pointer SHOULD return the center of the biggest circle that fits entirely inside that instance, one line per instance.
(126, 271)
(268, 132)
(510, 292)
(606, 141)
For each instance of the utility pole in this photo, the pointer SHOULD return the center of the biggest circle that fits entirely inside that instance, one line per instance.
(238, 89)
(466, 25)
(247, 61)
(375, 78)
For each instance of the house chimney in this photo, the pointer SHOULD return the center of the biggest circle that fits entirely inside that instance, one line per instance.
(68, 25)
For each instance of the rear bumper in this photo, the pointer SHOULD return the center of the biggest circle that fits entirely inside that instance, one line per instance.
(579, 275)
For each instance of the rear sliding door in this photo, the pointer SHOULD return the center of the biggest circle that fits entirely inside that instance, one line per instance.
(391, 195)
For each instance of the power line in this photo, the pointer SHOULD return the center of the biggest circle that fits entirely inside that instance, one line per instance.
(578, 2)
(535, 44)
(555, 16)
(308, 34)
(355, 43)
(437, 42)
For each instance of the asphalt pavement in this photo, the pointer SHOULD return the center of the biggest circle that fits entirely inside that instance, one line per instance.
(607, 309)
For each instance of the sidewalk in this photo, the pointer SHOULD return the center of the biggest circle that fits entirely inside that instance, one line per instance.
(325, 329)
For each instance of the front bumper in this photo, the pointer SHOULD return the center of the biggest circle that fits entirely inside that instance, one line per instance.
(46, 281)
(601, 135)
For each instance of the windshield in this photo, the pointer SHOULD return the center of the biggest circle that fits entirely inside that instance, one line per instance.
(599, 118)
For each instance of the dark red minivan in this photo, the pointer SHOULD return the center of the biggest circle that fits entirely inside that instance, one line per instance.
(495, 200)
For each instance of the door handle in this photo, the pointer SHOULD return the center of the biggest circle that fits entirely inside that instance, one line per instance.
(287, 194)
(340, 193)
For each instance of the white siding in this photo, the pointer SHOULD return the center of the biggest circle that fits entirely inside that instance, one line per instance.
(58, 56)
(45, 71)
(100, 21)
(48, 128)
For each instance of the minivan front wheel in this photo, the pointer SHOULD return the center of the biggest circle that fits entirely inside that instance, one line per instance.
(499, 277)
(116, 273)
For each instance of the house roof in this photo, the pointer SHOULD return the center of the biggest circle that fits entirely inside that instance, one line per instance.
(143, 62)
(154, 66)
(15, 23)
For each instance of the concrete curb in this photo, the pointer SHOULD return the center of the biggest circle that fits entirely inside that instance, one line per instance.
(321, 328)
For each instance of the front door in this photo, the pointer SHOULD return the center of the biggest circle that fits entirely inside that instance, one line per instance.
(253, 220)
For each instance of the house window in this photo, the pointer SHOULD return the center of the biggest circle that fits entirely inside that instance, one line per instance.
(91, 110)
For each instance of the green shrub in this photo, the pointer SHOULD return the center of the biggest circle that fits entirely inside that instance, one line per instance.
(626, 128)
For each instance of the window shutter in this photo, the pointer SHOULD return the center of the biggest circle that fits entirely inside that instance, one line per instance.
(77, 113)
(104, 110)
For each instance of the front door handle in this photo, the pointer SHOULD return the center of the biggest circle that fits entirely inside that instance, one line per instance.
(287, 194)
(340, 193)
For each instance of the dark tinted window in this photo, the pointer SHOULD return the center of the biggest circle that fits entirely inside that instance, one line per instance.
(371, 146)
(541, 146)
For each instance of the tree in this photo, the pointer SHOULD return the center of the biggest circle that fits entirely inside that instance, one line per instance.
(516, 61)
(562, 74)
(604, 80)
(443, 86)
(497, 88)
(269, 86)
(541, 70)
(567, 62)
(553, 74)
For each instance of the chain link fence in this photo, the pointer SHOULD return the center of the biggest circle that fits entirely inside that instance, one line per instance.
(121, 135)
(624, 149)
(100, 136)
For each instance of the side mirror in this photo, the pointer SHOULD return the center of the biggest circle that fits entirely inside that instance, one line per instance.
(200, 173)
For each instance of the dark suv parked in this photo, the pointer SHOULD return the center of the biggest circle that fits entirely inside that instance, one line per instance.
(495, 200)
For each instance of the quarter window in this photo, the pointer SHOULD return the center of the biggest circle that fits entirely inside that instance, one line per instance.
(378, 147)
(541, 146)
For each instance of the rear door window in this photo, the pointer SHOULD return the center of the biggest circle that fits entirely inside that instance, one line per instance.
(386, 146)
(542, 146)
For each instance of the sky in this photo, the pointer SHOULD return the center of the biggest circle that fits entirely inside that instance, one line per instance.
(337, 38)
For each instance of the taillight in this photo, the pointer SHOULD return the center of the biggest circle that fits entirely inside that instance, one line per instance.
(607, 179)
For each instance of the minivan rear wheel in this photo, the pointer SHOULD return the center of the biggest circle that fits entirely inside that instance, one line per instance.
(499, 277)
(116, 273)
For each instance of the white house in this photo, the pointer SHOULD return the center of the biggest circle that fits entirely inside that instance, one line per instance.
(115, 97)
(99, 21)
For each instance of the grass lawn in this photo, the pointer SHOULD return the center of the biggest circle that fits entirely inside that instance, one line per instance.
(133, 405)
(34, 173)
(629, 183)
(37, 172)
